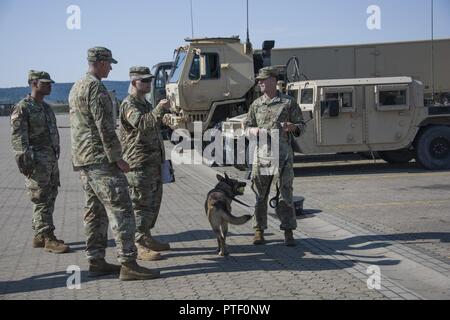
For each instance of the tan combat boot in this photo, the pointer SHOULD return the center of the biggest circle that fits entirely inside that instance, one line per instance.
(99, 267)
(132, 271)
(155, 245)
(259, 238)
(146, 254)
(289, 240)
(53, 245)
(39, 241)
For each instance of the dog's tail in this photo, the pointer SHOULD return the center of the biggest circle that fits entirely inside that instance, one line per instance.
(237, 221)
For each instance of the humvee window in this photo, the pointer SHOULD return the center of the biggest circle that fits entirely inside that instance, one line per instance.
(345, 97)
(393, 98)
(307, 96)
(212, 67)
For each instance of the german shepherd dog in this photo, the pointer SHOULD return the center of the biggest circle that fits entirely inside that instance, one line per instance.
(218, 209)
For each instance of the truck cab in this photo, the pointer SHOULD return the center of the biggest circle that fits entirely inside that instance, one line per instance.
(211, 80)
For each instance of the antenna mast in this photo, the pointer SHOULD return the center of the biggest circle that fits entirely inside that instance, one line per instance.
(432, 52)
(248, 33)
(192, 22)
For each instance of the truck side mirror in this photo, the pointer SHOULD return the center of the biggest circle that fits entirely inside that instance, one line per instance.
(202, 66)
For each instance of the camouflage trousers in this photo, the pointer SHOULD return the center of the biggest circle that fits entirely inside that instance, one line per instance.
(42, 186)
(261, 184)
(146, 190)
(107, 201)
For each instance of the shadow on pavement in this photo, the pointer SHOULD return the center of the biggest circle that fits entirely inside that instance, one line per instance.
(380, 167)
(275, 256)
(44, 282)
(272, 257)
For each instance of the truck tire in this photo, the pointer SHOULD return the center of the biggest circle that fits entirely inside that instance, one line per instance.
(433, 148)
(396, 156)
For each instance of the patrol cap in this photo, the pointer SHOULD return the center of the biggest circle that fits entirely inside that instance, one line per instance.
(100, 54)
(267, 72)
(39, 75)
(140, 72)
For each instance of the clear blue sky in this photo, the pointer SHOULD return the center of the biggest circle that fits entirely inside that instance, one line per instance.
(144, 32)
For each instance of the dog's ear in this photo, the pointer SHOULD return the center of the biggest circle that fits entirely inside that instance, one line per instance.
(226, 176)
(220, 178)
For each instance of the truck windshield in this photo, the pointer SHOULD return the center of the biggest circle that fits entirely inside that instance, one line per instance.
(177, 67)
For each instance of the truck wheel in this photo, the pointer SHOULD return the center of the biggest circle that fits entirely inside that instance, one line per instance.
(433, 148)
(396, 156)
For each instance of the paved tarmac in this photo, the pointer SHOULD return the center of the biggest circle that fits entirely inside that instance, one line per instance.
(355, 225)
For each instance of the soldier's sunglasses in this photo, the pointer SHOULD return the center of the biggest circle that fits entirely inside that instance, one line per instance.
(147, 80)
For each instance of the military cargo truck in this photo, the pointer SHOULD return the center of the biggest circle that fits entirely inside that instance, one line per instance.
(426, 61)
(213, 79)
(384, 115)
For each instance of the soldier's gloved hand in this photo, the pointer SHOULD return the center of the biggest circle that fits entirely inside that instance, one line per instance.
(289, 127)
(123, 166)
(25, 163)
(165, 104)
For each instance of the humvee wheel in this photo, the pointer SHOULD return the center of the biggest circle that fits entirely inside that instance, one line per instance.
(433, 148)
(396, 156)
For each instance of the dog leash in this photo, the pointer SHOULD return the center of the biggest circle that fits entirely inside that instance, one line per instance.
(240, 202)
(276, 200)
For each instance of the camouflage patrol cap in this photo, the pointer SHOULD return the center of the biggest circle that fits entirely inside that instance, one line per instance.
(267, 72)
(140, 72)
(39, 75)
(100, 54)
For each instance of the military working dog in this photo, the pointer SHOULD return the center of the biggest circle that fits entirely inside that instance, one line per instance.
(218, 209)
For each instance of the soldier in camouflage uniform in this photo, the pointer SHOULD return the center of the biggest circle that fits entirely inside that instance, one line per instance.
(97, 154)
(35, 140)
(273, 110)
(143, 149)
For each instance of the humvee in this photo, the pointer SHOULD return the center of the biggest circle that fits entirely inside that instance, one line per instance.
(383, 115)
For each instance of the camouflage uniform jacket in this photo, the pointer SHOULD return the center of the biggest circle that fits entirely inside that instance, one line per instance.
(34, 129)
(265, 113)
(140, 133)
(94, 140)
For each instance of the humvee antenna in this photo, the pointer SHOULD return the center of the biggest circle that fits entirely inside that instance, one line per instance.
(432, 51)
(192, 22)
(248, 33)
